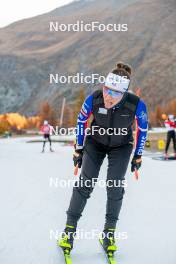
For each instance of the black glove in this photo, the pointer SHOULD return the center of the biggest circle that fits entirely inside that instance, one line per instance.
(136, 162)
(77, 157)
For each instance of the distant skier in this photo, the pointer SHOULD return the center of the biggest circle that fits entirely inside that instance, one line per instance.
(46, 131)
(170, 124)
(113, 108)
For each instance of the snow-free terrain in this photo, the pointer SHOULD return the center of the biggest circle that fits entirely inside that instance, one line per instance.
(33, 209)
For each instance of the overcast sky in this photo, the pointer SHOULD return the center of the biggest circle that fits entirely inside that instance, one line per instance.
(14, 10)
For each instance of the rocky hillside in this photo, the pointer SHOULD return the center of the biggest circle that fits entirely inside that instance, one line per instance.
(29, 52)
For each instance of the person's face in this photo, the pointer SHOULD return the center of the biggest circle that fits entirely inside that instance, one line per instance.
(111, 98)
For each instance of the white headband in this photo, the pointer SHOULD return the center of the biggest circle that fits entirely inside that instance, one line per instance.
(171, 117)
(117, 83)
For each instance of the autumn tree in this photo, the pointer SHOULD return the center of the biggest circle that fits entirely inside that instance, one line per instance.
(48, 113)
(68, 118)
(171, 108)
(78, 104)
(4, 126)
(158, 115)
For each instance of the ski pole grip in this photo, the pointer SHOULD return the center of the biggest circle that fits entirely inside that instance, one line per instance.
(76, 170)
(136, 174)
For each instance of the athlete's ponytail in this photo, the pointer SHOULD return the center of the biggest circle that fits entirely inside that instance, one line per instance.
(123, 70)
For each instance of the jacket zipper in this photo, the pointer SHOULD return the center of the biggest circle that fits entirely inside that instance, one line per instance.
(110, 125)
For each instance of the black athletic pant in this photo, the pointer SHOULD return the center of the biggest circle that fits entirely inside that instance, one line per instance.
(94, 154)
(171, 136)
(46, 137)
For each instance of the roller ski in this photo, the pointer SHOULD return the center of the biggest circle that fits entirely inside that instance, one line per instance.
(108, 244)
(51, 150)
(66, 243)
(67, 256)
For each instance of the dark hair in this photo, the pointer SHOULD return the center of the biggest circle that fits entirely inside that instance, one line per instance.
(123, 70)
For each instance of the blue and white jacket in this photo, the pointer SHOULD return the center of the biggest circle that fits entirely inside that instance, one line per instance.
(141, 123)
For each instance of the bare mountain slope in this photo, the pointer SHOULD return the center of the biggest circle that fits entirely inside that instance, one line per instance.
(29, 52)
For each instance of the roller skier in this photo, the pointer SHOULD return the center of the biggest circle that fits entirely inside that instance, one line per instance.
(113, 108)
(46, 132)
(170, 125)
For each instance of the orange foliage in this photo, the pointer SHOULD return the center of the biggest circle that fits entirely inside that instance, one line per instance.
(161, 112)
(47, 112)
(19, 122)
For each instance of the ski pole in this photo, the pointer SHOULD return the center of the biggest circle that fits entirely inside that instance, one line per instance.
(136, 174)
(76, 170)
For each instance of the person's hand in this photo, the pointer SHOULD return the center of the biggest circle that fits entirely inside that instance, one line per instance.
(136, 162)
(77, 157)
